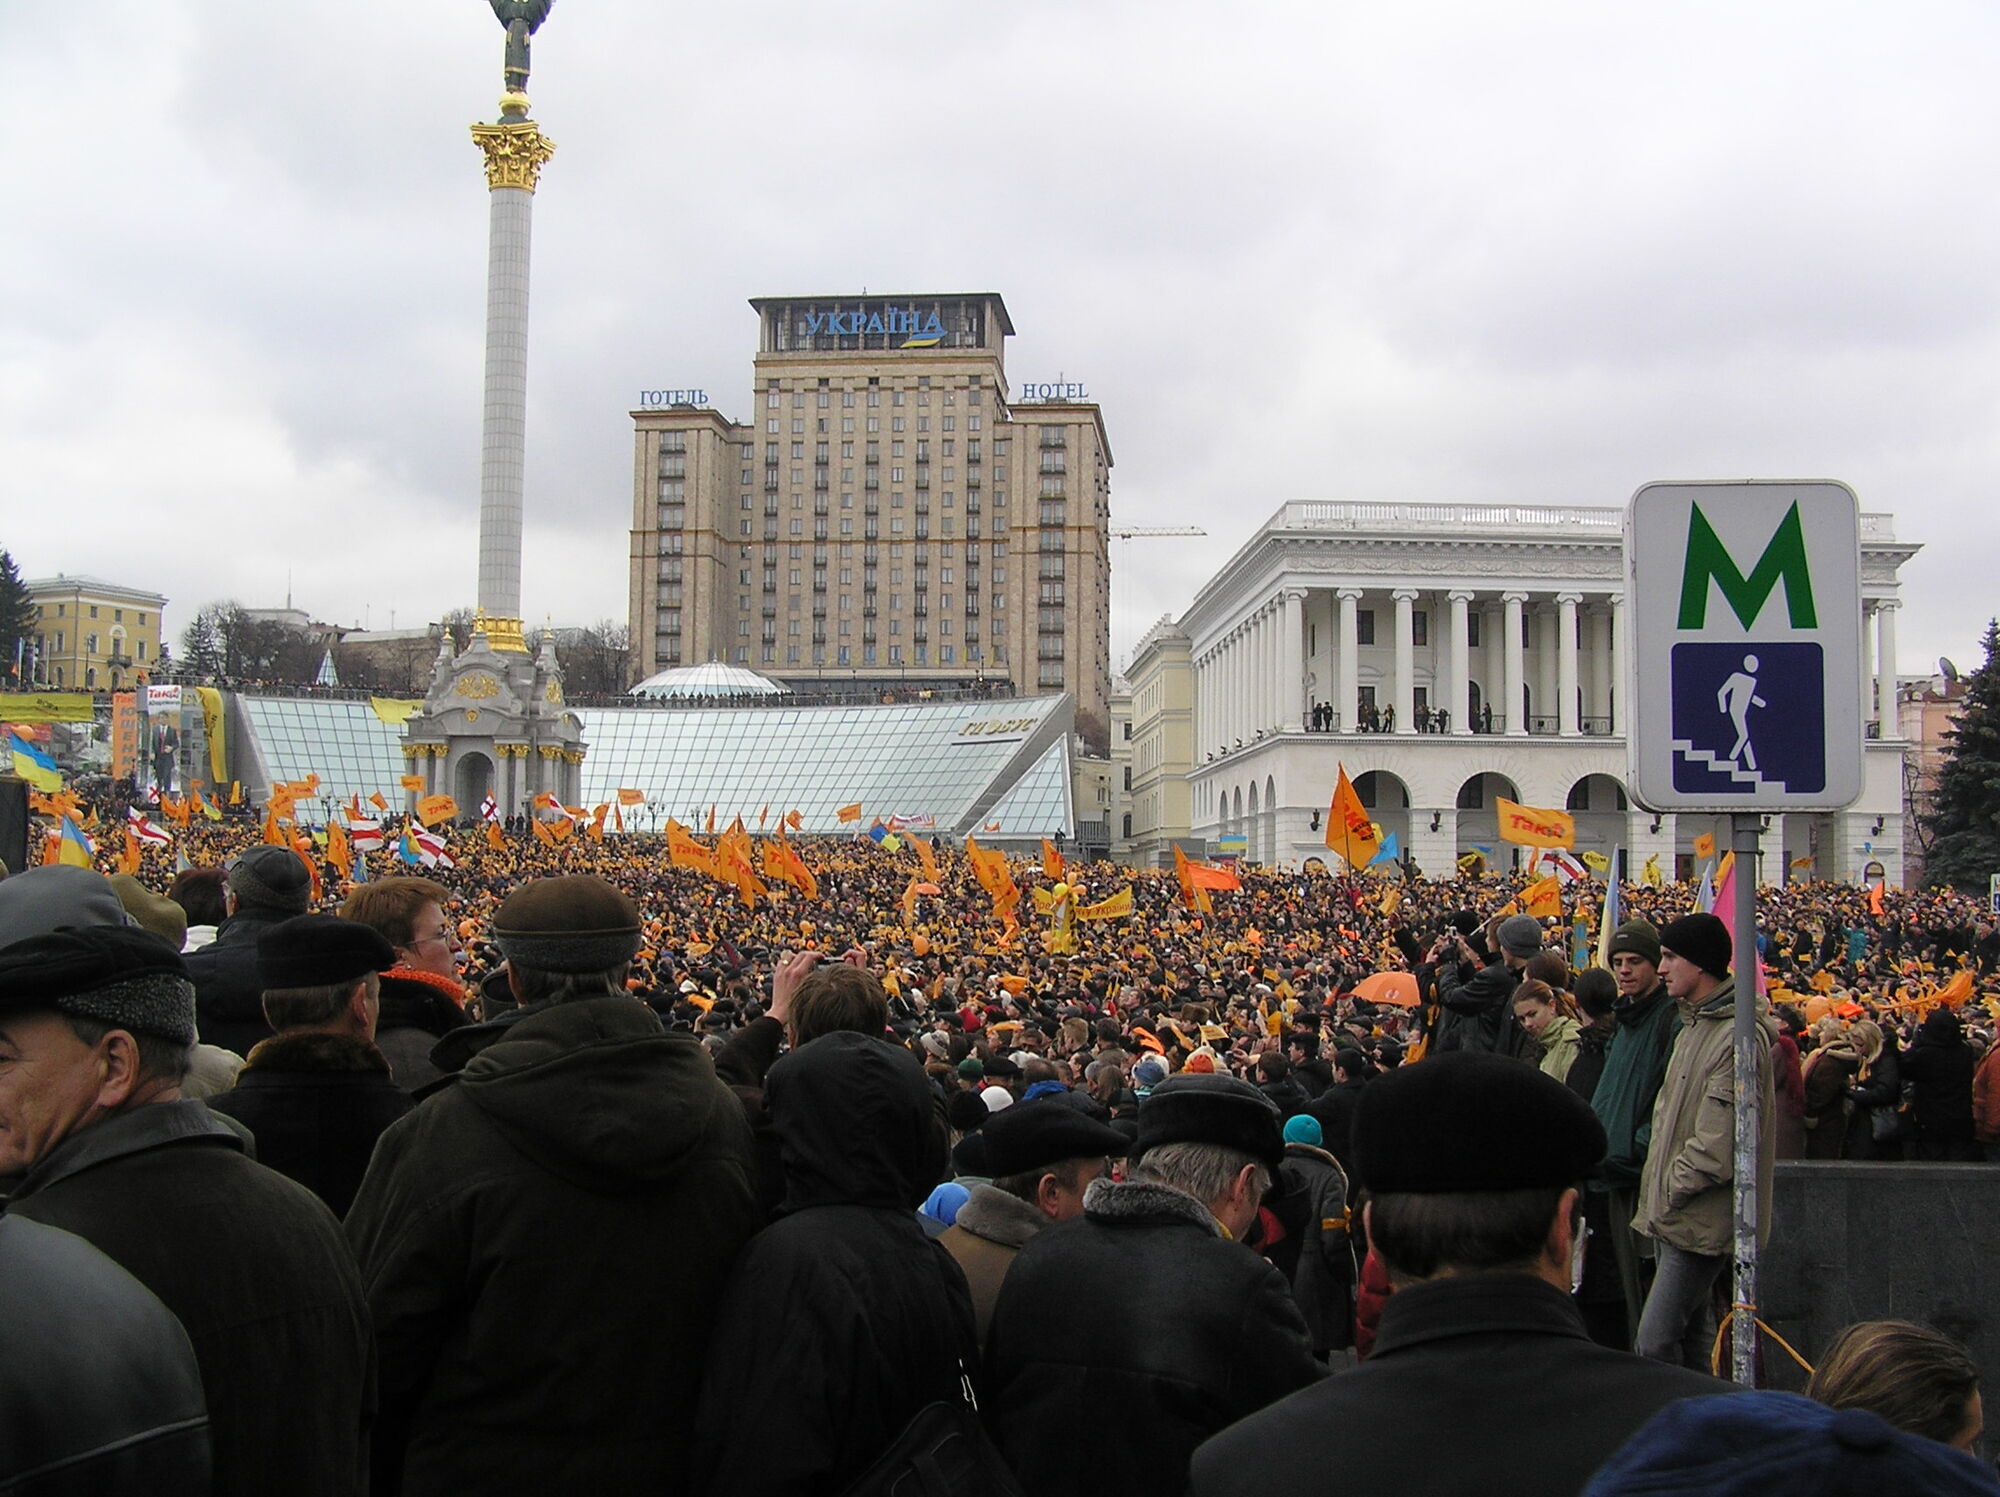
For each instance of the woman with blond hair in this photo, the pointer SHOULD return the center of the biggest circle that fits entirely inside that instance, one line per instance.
(1875, 1128)
(1828, 1071)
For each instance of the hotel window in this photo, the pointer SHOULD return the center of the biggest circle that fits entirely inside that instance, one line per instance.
(1364, 626)
(1472, 630)
(1420, 626)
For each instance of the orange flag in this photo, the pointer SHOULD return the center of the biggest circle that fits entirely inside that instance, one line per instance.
(495, 838)
(378, 802)
(414, 783)
(794, 820)
(711, 819)
(848, 814)
(1543, 898)
(1349, 831)
(273, 833)
(338, 851)
(631, 797)
(541, 830)
(617, 820)
(1534, 826)
(928, 858)
(1052, 861)
(762, 814)
(435, 808)
(128, 860)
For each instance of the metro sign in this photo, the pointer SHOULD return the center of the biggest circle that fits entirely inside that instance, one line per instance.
(1746, 679)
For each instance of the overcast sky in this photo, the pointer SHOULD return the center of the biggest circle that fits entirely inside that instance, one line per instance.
(1535, 253)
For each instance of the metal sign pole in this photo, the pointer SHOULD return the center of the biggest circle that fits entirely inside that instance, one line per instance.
(1745, 828)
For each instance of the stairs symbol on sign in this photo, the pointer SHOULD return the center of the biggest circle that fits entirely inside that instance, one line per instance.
(1684, 748)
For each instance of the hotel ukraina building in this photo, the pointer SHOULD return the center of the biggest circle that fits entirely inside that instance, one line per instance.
(1509, 619)
(893, 515)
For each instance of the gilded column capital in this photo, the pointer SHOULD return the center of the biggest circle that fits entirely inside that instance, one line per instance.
(515, 153)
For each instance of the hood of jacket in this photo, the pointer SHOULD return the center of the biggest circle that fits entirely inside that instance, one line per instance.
(596, 1093)
(856, 1124)
(1720, 1008)
(1637, 1009)
(1941, 1028)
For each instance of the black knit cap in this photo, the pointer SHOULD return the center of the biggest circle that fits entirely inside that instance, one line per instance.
(313, 951)
(575, 923)
(1211, 1109)
(1472, 1121)
(119, 975)
(1701, 939)
(1032, 1135)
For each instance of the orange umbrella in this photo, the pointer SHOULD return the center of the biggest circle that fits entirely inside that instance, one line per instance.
(1396, 988)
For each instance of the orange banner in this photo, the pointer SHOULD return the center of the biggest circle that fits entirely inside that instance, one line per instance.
(1534, 826)
(1349, 831)
(435, 808)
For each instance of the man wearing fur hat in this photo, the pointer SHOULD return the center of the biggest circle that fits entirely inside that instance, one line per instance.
(95, 1026)
(317, 1094)
(1483, 1377)
(545, 1239)
(1183, 1328)
(1686, 1192)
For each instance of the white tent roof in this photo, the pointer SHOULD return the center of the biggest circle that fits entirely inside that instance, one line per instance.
(715, 679)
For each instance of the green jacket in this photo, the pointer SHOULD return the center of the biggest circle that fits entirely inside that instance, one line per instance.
(1685, 1190)
(1634, 1066)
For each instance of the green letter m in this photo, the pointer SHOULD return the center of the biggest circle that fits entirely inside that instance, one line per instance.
(1784, 557)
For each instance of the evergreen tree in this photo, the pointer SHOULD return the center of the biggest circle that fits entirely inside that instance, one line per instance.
(1965, 812)
(17, 620)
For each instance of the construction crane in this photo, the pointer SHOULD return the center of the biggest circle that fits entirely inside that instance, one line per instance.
(1127, 532)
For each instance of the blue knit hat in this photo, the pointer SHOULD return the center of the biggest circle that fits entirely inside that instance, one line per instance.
(1778, 1444)
(1303, 1129)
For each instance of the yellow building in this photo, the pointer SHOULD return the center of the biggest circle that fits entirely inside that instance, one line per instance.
(93, 635)
(894, 517)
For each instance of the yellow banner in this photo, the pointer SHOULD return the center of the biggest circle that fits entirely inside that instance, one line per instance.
(1543, 898)
(46, 707)
(212, 725)
(412, 782)
(1534, 826)
(393, 710)
(1704, 846)
(435, 808)
(1117, 907)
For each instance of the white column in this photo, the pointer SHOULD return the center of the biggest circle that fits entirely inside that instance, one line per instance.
(1292, 672)
(1620, 688)
(505, 432)
(1597, 649)
(1510, 696)
(1233, 679)
(1869, 624)
(1458, 701)
(1267, 675)
(1885, 666)
(1348, 704)
(1545, 661)
(1406, 652)
(1566, 673)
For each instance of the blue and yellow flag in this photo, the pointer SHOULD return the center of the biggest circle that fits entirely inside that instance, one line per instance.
(76, 849)
(34, 766)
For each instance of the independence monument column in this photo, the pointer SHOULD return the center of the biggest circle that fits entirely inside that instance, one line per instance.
(515, 152)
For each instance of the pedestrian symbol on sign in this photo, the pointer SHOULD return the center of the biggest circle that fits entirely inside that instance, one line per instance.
(1720, 747)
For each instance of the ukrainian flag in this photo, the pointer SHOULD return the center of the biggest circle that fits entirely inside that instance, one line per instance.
(34, 766)
(76, 848)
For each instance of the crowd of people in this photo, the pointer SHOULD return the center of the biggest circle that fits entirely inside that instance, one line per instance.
(565, 1167)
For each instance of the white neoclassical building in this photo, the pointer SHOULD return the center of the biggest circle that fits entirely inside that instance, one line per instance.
(1449, 654)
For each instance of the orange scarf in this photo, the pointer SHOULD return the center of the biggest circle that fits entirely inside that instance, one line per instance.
(450, 987)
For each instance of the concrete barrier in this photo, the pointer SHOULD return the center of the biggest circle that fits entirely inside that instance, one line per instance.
(1852, 1241)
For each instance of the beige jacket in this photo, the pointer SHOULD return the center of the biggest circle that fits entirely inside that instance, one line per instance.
(991, 1228)
(1685, 1197)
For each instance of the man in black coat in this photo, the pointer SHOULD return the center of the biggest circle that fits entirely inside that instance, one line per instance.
(1335, 1111)
(1483, 1377)
(544, 1237)
(1938, 1068)
(95, 1027)
(1124, 1338)
(317, 1094)
(842, 1319)
(267, 886)
(1479, 1012)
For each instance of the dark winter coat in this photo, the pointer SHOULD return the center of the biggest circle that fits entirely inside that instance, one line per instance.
(1315, 1252)
(1485, 1384)
(415, 1016)
(842, 1319)
(1479, 1014)
(1938, 1069)
(543, 1242)
(228, 988)
(1335, 1115)
(1825, 1075)
(1126, 1337)
(1635, 1064)
(1287, 1096)
(1593, 1046)
(111, 1408)
(253, 1266)
(316, 1103)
